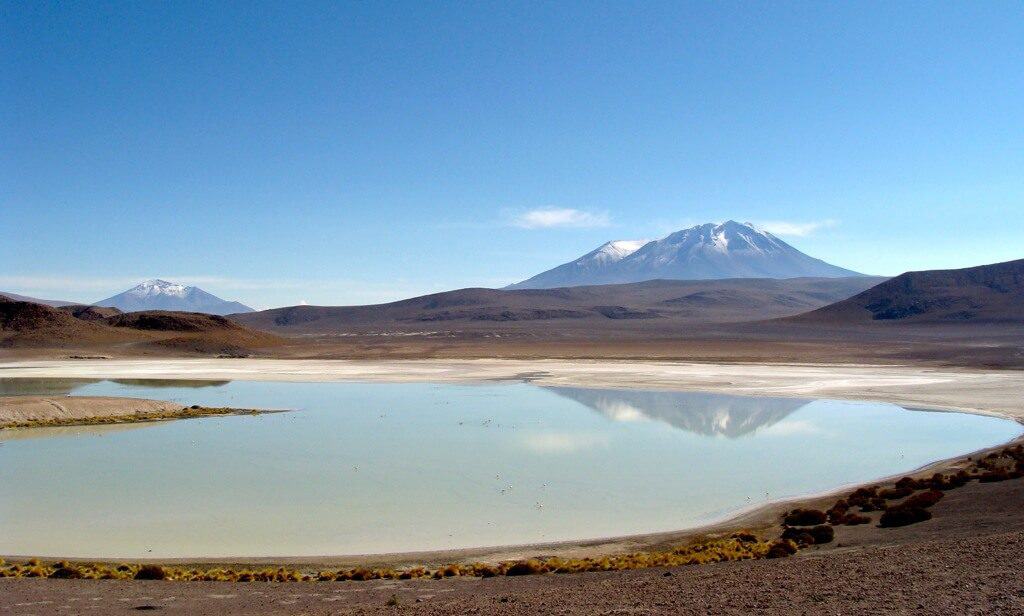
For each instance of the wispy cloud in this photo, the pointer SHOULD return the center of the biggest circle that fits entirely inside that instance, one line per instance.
(795, 229)
(791, 427)
(563, 442)
(68, 284)
(546, 218)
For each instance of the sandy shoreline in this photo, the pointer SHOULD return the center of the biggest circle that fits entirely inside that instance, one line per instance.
(996, 392)
(970, 390)
(24, 411)
(30, 412)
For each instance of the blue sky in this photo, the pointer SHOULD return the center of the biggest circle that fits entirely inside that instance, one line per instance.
(358, 152)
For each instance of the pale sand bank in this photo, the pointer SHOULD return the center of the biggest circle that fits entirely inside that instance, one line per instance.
(976, 390)
(52, 410)
(18, 412)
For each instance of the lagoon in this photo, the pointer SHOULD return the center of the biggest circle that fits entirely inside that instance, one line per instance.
(364, 468)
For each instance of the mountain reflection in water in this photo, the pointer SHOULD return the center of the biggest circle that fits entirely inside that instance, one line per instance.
(701, 413)
(62, 387)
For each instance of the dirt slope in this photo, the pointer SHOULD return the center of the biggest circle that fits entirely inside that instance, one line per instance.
(984, 294)
(36, 326)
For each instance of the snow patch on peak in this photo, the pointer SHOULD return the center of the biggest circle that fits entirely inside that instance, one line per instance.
(612, 251)
(157, 286)
(621, 248)
(720, 241)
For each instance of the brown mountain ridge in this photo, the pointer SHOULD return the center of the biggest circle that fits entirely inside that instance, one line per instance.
(659, 304)
(984, 294)
(28, 324)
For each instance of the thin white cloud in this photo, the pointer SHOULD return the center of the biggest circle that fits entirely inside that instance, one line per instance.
(795, 229)
(68, 284)
(547, 218)
(791, 427)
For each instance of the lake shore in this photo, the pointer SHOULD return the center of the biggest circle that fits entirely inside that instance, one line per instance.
(974, 390)
(959, 557)
(978, 391)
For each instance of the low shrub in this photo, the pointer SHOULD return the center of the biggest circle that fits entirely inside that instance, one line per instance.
(924, 499)
(805, 517)
(895, 493)
(782, 549)
(875, 503)
(799, 536)
(855, 519)
(903, 516)
(861, 495)
(823, 534)
(938, 481)
(909, 482)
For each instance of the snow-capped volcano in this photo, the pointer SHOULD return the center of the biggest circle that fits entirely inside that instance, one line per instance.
(164, 295)
(590, 265)
(709, 251)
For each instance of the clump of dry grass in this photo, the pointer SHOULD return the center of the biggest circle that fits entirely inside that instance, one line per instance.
(526, 567)
(151, 572)
(740, 546)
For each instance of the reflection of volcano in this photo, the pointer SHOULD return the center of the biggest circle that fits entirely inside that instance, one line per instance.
(41, 386)
(700, 413)
(62, 387)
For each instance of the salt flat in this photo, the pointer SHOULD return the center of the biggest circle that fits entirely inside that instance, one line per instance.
(974, 390)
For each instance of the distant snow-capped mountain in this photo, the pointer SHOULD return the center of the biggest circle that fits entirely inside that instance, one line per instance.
(163, 295)
(704, 252)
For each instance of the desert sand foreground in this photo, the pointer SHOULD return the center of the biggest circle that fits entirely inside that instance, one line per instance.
(996, 392)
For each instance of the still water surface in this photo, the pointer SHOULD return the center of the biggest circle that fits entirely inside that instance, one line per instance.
(373, 468)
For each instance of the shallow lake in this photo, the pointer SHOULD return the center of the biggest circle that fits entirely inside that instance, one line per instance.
(374, 468)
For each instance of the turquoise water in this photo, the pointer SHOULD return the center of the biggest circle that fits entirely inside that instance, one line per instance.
(373, 468)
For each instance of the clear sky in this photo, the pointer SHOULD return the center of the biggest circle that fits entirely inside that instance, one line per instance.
(358, 152)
